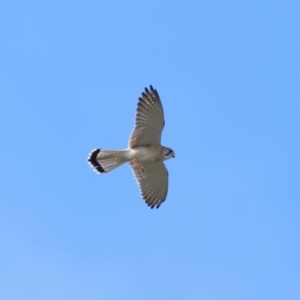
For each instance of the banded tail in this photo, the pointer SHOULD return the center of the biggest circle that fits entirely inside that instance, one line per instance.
(104, 161)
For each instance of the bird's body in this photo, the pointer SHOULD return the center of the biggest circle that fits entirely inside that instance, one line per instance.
(145, 153)
(149, 153)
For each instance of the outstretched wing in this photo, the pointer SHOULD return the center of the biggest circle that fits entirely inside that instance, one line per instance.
(153, 182)
(149, 120)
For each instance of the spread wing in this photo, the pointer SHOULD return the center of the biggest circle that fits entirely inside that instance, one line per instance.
(149, 120)
(152, 181)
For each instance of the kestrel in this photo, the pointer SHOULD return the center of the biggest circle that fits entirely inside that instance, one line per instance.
(144, 153)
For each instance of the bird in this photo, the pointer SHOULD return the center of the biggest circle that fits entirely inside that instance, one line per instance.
(145, 153)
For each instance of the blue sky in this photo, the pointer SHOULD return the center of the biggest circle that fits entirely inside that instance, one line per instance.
(228, 75)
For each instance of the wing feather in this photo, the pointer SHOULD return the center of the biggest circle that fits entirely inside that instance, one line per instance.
(149, 120)
(153, 182)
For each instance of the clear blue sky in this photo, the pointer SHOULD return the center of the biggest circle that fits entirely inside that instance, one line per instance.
(228, 73)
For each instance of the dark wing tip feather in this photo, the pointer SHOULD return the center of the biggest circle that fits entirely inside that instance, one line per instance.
(152, 94)
(145, 95)
(152, 90)
(92, 159)
(152, 205)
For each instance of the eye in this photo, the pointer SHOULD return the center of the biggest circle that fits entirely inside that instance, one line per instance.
(167, 151)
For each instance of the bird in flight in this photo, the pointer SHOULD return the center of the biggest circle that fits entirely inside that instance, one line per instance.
(145, 153)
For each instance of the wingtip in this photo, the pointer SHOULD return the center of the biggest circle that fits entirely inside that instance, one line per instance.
(156, 205)
(152, 89)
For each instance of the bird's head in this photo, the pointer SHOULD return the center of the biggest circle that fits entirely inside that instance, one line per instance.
(168, 153)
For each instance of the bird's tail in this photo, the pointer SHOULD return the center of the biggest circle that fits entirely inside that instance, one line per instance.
(104, 161)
